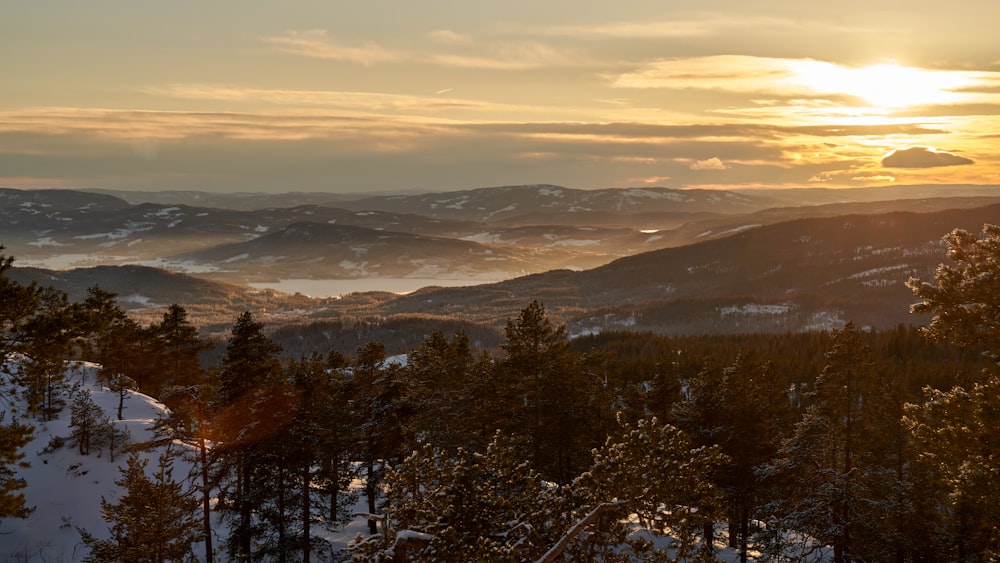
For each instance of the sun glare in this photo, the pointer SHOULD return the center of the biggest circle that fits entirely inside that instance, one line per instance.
(887, 86)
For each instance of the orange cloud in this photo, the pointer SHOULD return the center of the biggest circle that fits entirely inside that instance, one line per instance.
(922, 157)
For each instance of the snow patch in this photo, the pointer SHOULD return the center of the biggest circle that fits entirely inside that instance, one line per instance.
(756, 309)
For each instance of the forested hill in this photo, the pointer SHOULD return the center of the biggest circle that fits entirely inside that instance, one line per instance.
(804, 274)
(791, 276)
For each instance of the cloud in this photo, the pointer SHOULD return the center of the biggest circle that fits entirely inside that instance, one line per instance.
(499, 55)
(514, 55)
(886, 85)
(874, 178)
(734, 73)
(360, 101)
(708, 164)
(315, 43)
(449, 37)
(922, 157)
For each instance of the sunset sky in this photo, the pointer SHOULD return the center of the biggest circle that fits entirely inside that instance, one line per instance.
(394, 96)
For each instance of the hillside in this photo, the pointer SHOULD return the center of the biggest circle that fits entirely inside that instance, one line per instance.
(478, 235)
(791, 276)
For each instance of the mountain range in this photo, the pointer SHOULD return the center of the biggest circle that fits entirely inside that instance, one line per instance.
(670, 261)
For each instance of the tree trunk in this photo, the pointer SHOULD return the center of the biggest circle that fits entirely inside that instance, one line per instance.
(306, 516)
(244, 533)
(370, 493)
(206, 500)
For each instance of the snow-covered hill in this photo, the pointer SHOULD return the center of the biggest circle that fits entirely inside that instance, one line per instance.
(65, 488)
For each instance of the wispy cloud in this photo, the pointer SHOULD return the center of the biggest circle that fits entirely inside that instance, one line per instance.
(316, 43)
(361, 101)
(514, 55)
(688, 26)
(449, 37)
(463, 52)
(887, 85)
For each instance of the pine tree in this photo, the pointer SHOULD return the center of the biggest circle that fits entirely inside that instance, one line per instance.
(746, 411)
(469, 506)
(955, 430)
(838, 476)
(178, 348)
(13, 437)
(153, 521)
(379, 414)
(248, 410)
(439, 375)
(653, 471)
(17, 304)
(555, 396)
(116, 342)
(86, 420)
(47, 341)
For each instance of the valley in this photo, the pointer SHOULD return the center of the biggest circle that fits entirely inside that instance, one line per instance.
(667, 261)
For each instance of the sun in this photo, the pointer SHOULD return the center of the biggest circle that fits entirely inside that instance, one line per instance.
(886, 85)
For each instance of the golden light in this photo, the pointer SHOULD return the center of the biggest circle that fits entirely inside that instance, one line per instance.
(887, 85)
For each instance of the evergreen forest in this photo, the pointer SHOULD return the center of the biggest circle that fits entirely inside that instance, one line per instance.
(848, 445)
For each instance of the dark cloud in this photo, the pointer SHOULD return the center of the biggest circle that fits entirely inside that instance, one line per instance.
(922, 157)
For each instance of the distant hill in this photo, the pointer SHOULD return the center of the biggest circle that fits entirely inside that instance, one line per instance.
(652, 259)
(811, 273)
(319, 250)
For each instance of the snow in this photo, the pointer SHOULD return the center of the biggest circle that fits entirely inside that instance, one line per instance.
(65, 488)
(484, 238)
(138, 299)
(754, 309)
(236, 258)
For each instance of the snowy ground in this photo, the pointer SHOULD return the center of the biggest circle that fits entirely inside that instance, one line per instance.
(65, 488)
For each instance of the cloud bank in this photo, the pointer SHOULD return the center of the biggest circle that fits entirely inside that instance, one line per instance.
(922, 157)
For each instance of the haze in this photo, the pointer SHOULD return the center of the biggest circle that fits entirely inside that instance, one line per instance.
(396, 96)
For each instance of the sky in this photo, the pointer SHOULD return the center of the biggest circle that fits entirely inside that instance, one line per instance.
(394, 96)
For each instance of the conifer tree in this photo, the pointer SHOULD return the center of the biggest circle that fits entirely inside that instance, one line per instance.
(178, 347)
(116, 342)
(834, 468)
(47, 341)
(469, 506)
(379, 414)
(152, 522)
(439, 375)
(247, 412)
(13, 437)
(17, 304)
(955, 430)
(745, 410)
(86, 419)
(554, 394)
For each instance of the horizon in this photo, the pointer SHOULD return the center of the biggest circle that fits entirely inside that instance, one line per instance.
(253, 97)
